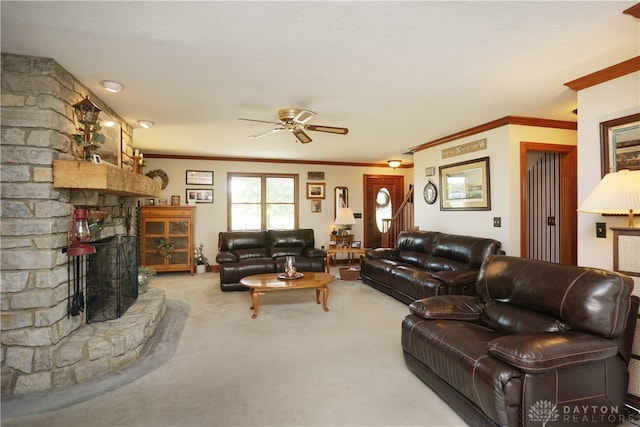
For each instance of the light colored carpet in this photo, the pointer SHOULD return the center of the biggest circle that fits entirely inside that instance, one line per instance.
(295, 365)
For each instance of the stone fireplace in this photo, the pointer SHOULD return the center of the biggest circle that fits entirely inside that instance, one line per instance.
(42, 346)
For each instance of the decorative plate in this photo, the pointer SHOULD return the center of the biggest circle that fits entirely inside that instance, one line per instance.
(430, 193)
(285, 277)
(160, 176)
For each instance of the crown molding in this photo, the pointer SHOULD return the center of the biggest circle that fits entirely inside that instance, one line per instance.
(258, 160)
(633, 11)
(613, 72)
(504, 121)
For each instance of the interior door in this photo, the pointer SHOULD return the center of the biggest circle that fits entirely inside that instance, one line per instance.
(383, 194)
(548, 202)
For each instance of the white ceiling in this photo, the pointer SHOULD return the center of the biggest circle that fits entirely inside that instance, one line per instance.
(397, 74)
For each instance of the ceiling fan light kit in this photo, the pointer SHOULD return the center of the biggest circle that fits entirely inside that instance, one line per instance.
(394, 163)
(295, 121)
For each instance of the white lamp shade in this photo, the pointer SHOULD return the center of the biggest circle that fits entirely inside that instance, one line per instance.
(617, 193)
(345, 217)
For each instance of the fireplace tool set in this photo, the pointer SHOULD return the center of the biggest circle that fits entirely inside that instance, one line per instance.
(76, 249)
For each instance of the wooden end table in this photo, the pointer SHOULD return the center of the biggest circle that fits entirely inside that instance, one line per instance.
(332, 252)
(260, 284)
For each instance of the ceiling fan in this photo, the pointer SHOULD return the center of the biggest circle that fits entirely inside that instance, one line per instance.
(295, 120)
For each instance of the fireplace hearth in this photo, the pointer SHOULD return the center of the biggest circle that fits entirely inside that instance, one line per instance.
(112, 278)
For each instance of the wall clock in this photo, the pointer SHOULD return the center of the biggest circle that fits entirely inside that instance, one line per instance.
(430, 193)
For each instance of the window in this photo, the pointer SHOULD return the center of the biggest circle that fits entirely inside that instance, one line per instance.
(262, 201)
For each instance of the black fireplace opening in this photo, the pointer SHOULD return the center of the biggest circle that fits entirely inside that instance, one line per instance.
(112, 278)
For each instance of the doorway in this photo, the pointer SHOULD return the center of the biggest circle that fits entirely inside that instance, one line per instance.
(383, 194)
(548, 202)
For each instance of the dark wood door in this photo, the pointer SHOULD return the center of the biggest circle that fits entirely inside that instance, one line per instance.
(383, 194)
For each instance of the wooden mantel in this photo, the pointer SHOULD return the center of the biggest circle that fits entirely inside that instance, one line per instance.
(81, 175)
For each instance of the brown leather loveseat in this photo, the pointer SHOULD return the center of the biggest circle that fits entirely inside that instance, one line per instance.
(245, 253)
(427, 263)
(541, 344)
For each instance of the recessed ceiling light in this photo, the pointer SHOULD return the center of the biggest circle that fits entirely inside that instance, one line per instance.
(145, 123)
(112, 86)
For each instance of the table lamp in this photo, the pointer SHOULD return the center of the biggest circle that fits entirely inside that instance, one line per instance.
(344, 217)
(617, 194)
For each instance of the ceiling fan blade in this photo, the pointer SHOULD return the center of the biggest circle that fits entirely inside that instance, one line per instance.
(302, 137)
(266, 132)
(330, 129)
(260, 121)
(304, 116)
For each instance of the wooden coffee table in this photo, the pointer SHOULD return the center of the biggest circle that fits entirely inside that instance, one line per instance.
(260, 284)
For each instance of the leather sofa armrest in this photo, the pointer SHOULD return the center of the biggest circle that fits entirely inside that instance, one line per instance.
(456, 277)
(383, 253)
(542, 351)
(449, 307)
(226, 256)
(314, 253)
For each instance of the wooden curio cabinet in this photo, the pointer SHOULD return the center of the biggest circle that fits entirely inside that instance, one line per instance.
(163, 224)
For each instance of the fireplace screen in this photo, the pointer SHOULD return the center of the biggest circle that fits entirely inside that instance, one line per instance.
(112, 278)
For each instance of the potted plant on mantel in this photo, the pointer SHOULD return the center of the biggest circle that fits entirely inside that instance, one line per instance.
(200, 260)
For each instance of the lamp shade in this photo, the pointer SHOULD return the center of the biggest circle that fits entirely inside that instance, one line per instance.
(617, 193)
(345, 217)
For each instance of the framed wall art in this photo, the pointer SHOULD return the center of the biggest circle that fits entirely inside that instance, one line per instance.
(466, 186)
(200, 195)
(315, 190)
(316, 205)
(620, 144)
(315, 176)
(199, 177)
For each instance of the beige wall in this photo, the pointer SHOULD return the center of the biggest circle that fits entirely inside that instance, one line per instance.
(610, 100)
(212, 218)
(503, 150)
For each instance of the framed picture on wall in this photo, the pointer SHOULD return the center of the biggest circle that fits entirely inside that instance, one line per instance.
(466, 186)
(200, 195)
(199, 177)
(315, 190)
(620, 144)
(316, 206)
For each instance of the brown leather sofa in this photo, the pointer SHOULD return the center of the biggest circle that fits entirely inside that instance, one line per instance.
(541, 342)
(427, 263)
(245, 253)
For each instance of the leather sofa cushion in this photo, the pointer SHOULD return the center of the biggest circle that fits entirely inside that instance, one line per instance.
(377, 269)
(415, 282)
(437, 263)
(509, 319)
(278, 251)
(223, 257)
(584, 299)
(417, 241)
(419, 259)
(469, 250)
(383, 253)
(251, 253)
(457, 352)
(234, 240)
(541, 352)
(459, 307)
(291, 238)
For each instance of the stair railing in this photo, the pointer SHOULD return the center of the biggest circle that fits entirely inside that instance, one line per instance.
(403, 219)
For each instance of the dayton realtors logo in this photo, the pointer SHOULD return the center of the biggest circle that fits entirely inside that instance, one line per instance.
(545, 411)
